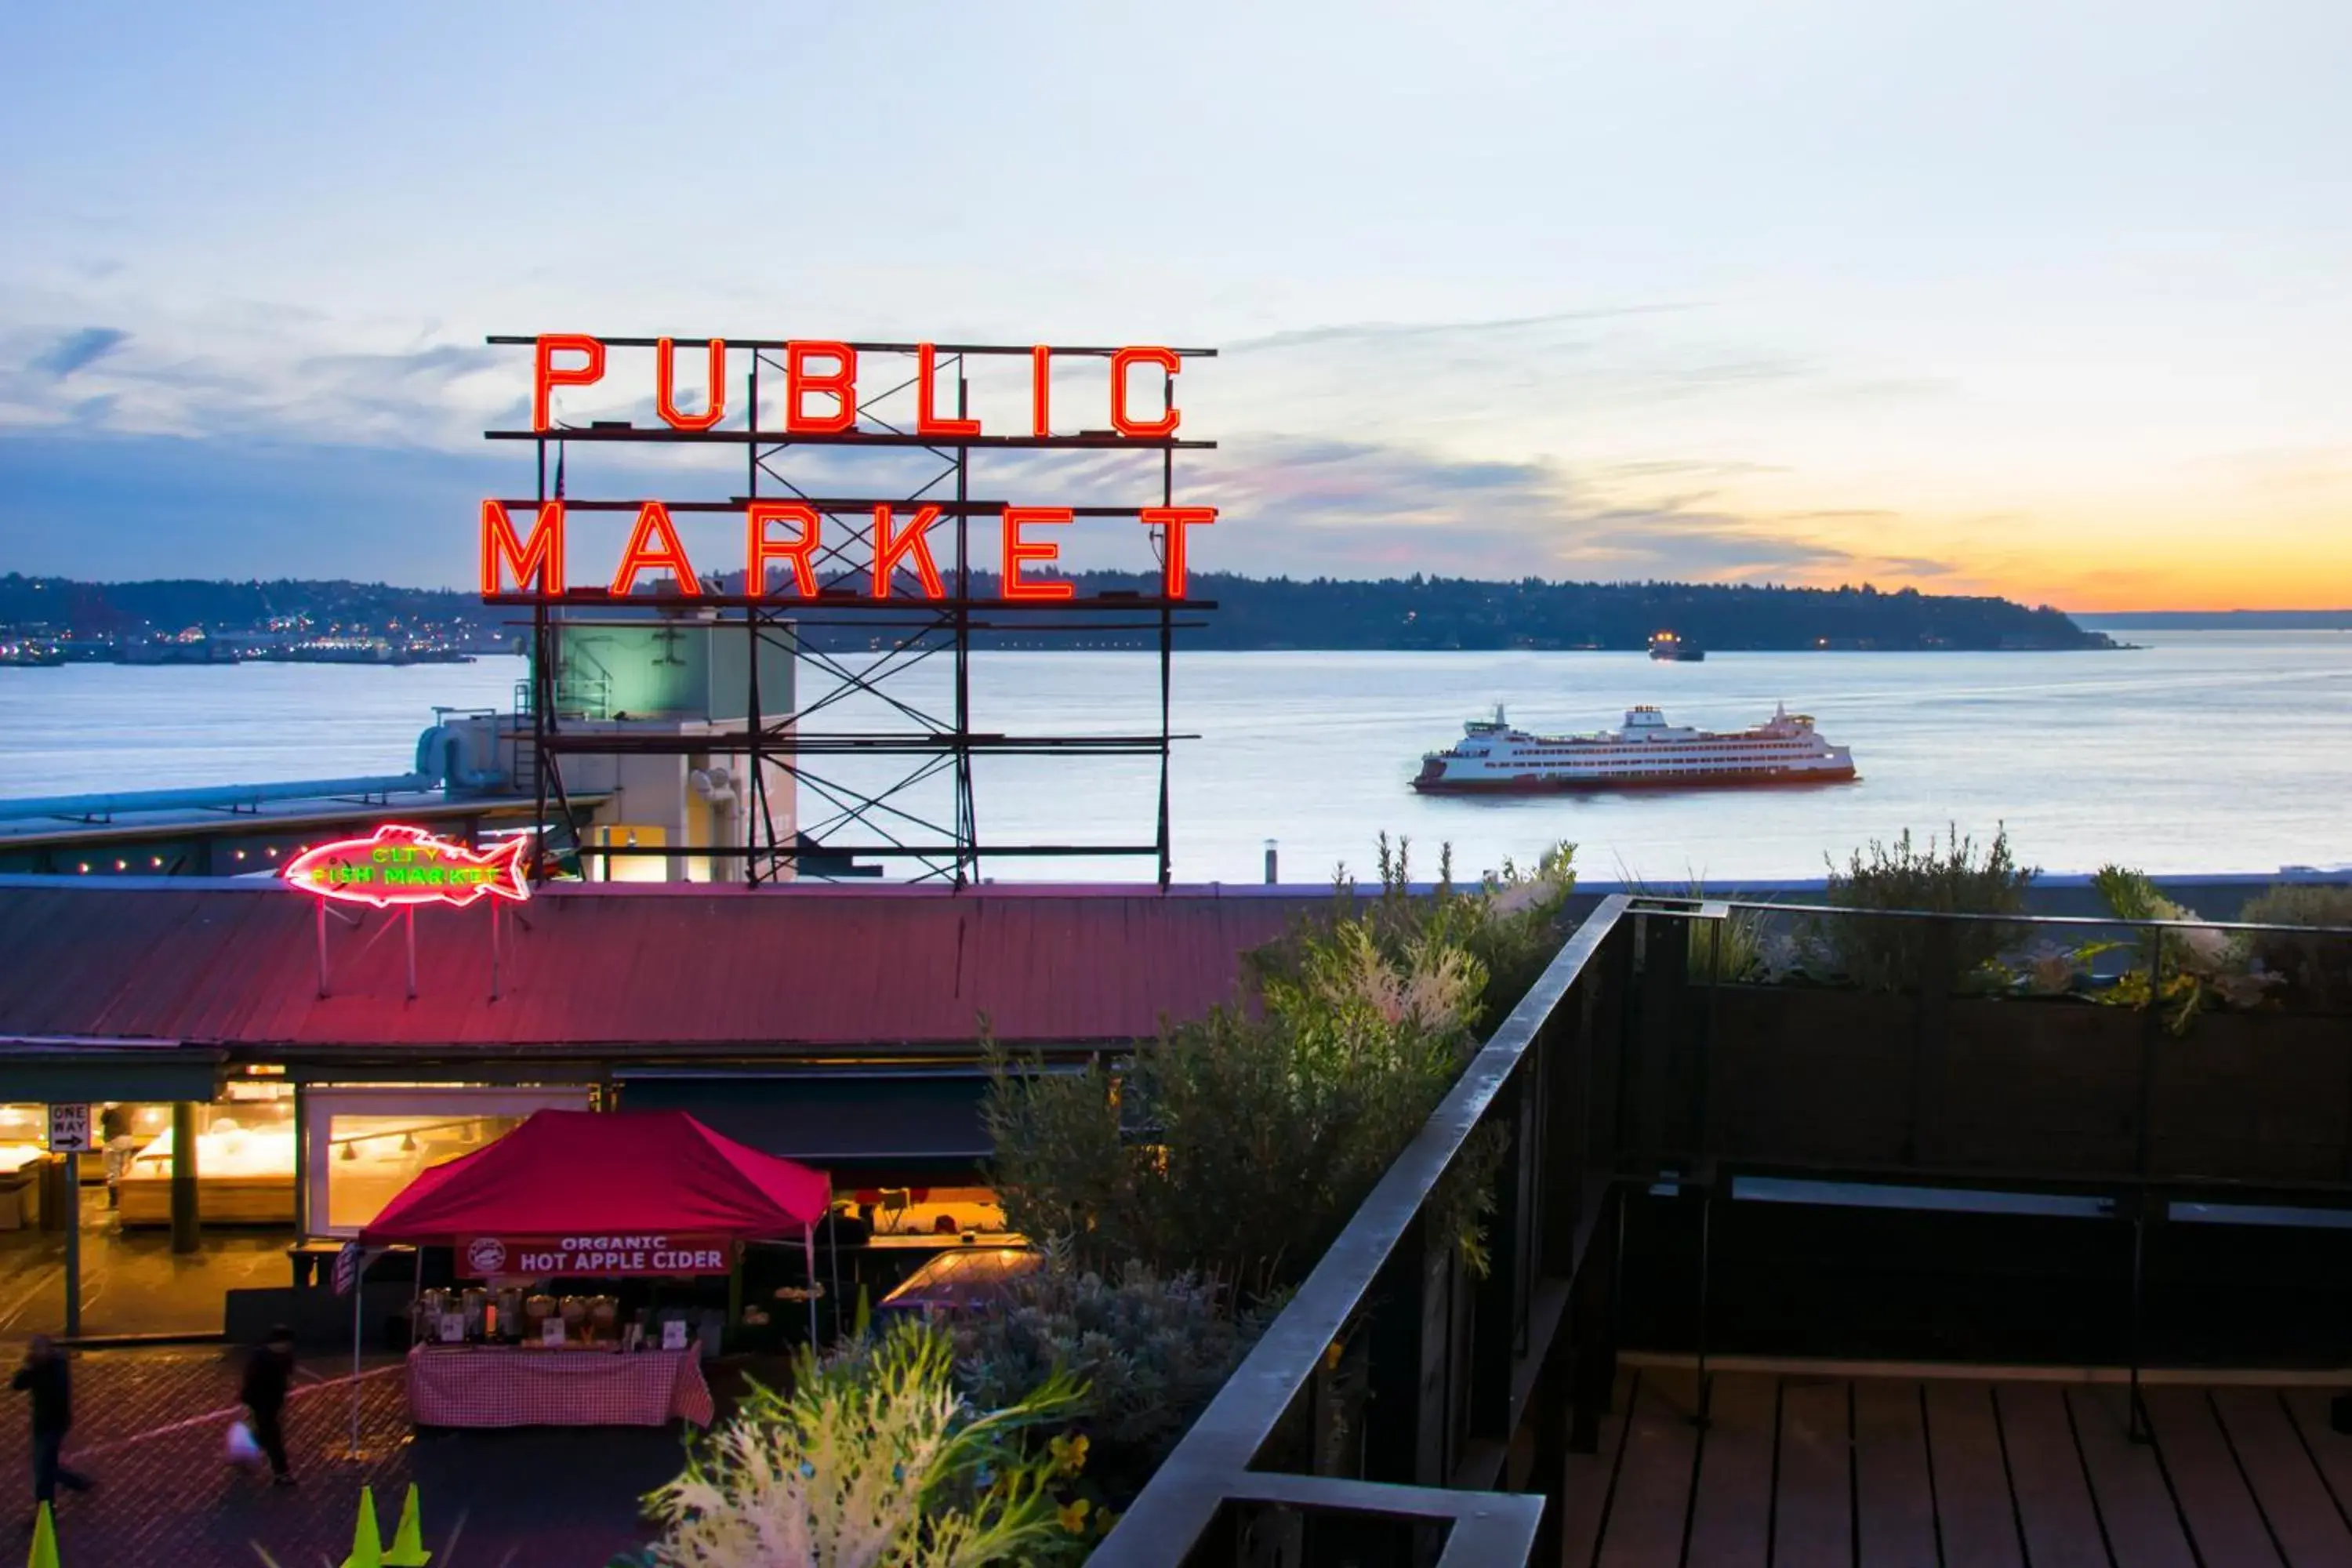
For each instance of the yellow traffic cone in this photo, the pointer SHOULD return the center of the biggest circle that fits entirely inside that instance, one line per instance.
(44, 1541)
(408, 1538)
(367, 1544)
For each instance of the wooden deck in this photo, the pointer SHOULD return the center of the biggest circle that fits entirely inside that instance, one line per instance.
(1798, 1470)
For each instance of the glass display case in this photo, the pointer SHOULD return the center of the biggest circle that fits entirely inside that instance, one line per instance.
(24, 1144)
(245, 1161)
(23, 1136)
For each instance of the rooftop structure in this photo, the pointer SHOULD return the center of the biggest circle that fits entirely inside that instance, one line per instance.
(1815, 1273)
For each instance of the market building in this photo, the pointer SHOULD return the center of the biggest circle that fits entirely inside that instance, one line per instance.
(289, 1045)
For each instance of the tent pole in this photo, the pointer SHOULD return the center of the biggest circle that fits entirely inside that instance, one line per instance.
(359, 1294)
(835, 1220)
(808, 1245)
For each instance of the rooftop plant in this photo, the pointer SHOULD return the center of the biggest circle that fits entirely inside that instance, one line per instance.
(2201, 966)
(1151, 1349)
(874, 1460)
(1238, 1145)
(1953, 875)
(2316, 970)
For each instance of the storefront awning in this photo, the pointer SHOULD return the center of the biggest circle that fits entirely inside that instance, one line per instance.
(74, 1070)
(832, 1116)
(567, 1173)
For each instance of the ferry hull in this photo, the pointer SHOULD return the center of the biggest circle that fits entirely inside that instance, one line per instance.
(1631, 782)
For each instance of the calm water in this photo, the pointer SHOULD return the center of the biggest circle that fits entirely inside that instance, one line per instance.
(2204, 751)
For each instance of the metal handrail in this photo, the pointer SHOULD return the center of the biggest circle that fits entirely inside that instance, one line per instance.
(1211, 1464)
(1180, 1514)
(1650, 903)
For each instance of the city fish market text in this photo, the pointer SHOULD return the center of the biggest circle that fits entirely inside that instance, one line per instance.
(404, 865)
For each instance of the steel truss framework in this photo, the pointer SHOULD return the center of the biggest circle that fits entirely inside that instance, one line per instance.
(851, 820)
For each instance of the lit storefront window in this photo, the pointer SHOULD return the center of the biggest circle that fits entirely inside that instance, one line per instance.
(245, 1159)
(23, 1135)
(364, 1146)
(373, 1157)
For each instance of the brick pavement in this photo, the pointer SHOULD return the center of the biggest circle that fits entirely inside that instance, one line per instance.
(527, 1498)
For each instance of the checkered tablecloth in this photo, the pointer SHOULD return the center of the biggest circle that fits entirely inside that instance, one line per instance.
(502, 1387)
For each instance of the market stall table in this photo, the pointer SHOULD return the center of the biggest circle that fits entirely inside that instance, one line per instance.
(506, 1385)
(578, 1197)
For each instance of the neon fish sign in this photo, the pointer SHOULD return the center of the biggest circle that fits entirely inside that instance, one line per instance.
(399, 866)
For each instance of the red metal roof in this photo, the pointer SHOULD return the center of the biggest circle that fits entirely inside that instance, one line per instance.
(805, 968)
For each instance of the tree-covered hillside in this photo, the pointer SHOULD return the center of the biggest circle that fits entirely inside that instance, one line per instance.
(1252, 612)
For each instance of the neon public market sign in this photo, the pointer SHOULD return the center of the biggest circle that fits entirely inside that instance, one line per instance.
(822, 406)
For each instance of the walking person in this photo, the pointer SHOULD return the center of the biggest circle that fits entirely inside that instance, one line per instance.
(120, 1143)
(44, 1376)
(267, 1375)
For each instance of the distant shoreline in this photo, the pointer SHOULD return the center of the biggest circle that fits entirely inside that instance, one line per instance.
(176, 619)
(2217, 621)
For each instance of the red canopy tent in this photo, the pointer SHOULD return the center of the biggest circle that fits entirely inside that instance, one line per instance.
(567, 1172)
(602, 1194)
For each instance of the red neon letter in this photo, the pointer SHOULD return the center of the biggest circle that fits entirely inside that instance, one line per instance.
(654, 542)
(889, 548)
(539, 561)
(1018, 550)
(1176, 520)
(1040, 390)
(840, 384)
(760, 513)
(546, 378)
(665, 398)
(1120, 363)
(926, 422)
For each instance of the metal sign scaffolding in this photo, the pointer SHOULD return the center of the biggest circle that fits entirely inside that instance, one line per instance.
(865, 652)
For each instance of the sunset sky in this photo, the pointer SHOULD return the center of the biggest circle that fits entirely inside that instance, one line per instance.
(2054, 301)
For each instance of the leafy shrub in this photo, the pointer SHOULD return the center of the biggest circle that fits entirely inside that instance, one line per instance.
(1880, 955)
(2202, 964)
(872, 1459)
(1152, 1351)
(1512, 925)
(2317, 970)
(1238, 1145)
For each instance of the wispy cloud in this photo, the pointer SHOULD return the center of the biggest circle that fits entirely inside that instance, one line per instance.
(78, 351)
(1389, 332)
(1332, 507)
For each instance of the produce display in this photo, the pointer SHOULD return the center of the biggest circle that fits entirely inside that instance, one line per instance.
(508, 1317)
(245, 1175)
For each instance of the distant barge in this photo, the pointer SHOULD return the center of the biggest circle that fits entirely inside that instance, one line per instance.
(1675, 649)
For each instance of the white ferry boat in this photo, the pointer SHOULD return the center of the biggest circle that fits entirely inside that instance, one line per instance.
(1648, 752)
